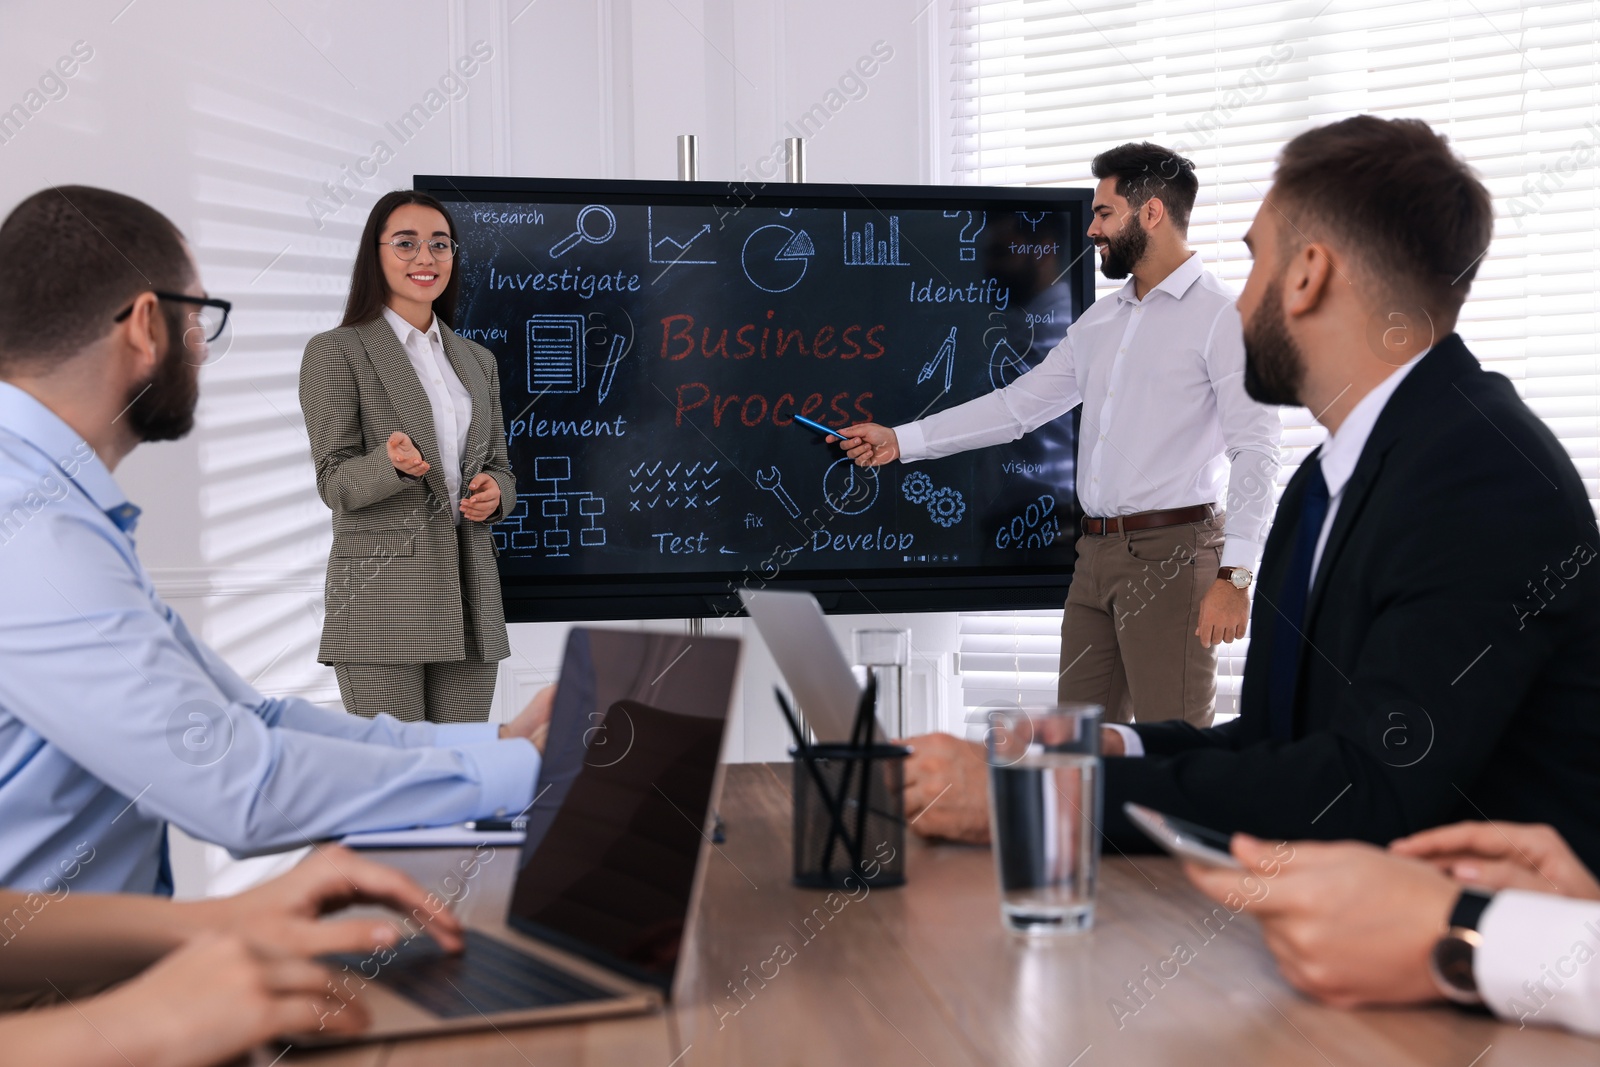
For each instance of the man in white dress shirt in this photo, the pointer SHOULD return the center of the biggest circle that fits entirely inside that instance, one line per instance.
(1498, 914)
(1159, 370)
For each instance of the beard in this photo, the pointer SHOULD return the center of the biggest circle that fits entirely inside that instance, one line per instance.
(161, 408)
(1274, 367)
(1125, 250)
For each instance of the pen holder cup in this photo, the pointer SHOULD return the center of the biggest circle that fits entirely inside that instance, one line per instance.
(841, 842)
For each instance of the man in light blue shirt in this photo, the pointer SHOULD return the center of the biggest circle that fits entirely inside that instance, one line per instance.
(114, 719)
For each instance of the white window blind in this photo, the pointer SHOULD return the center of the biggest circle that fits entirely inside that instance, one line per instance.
(1040, 86)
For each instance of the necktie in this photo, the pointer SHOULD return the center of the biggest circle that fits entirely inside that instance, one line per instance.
(1288, 631)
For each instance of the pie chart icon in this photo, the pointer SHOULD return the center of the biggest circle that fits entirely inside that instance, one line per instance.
(775, 257)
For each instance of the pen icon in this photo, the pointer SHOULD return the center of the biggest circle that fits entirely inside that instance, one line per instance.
(618, 343)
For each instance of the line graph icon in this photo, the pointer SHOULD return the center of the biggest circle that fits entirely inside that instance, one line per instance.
(669, 249)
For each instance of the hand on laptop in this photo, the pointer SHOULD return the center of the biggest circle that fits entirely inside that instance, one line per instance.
(533, 722)
(284, 916)
(227, 973)
(1349, 923)
(947, 788)
(204, 1003)
(1503, 855)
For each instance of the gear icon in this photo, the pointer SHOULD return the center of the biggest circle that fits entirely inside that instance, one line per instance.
(917, 487)
(946, 506)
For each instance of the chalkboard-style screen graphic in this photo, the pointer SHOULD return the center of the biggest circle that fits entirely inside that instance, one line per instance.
(967, 249)
(670, 246)
(658, 341)
(596, 225)
(775, 257)
(868, 246)
(555, 353)
(848, 489)
(946, 357)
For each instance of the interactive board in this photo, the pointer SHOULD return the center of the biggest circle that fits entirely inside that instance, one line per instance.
(662, 347)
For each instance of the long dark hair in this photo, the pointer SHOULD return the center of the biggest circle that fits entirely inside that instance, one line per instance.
(369, 291)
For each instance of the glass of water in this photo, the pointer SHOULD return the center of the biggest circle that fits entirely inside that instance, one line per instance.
(885, 654)
(1044, 815)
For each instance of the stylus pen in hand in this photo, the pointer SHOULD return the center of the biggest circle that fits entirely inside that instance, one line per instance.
(815, 427)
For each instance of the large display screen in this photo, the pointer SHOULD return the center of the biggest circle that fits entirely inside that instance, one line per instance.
(660, 343)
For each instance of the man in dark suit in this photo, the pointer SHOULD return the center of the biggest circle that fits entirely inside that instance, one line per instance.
(1426, 642)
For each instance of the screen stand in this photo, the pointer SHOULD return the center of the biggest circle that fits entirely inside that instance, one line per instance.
(688, 157)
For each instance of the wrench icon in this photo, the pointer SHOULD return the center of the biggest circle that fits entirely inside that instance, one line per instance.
(772, 481)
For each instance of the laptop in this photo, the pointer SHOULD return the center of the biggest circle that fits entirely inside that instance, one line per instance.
(611, 864)
(810, 660)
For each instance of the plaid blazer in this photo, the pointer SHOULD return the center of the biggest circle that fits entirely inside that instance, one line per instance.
(405, 584)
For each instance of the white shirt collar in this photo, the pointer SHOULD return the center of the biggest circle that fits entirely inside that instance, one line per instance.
(1343, 448)
(403, 329)
(1175, 284)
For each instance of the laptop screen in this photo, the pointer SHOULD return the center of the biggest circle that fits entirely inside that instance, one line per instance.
(615, 830)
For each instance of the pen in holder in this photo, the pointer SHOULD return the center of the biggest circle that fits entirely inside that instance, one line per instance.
(849, 807)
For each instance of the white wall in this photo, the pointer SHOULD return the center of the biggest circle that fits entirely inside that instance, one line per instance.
(256, 127)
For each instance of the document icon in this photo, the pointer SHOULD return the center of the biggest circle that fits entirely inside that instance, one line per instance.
(555, 354)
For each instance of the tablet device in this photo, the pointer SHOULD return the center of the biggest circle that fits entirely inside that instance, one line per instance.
(1184, 839)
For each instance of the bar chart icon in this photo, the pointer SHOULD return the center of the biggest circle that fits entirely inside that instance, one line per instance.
(867, 247)
(555, 354)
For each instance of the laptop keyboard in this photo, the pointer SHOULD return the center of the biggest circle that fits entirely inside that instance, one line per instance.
(489, 977)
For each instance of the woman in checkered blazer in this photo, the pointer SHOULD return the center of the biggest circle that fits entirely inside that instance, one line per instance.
(410, 450)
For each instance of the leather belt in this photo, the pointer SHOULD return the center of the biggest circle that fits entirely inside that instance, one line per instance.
(1149, 520)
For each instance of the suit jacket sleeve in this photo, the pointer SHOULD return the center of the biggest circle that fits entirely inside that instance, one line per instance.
(1170, 738)
(1426, 698)
(349, 476)
(497, 464)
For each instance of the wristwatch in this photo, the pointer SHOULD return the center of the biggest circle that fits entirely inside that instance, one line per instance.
(1451, 961)
(1239, 576)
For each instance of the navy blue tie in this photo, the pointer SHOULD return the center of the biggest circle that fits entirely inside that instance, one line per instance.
(1288, 631)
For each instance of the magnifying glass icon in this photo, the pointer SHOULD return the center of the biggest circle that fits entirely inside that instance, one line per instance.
(602, 229)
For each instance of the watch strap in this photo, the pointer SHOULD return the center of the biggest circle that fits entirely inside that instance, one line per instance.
(1453, 957)
(1469, 909)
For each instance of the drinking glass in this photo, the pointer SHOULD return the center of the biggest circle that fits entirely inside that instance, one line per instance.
(885, 654)
(1044, 815)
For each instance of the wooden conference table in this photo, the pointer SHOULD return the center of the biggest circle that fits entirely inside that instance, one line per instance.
(923, 974)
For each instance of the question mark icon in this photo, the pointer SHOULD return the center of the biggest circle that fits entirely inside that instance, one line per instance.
(976, 221)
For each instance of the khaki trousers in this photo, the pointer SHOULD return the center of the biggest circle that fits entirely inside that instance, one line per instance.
(1128, 632)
